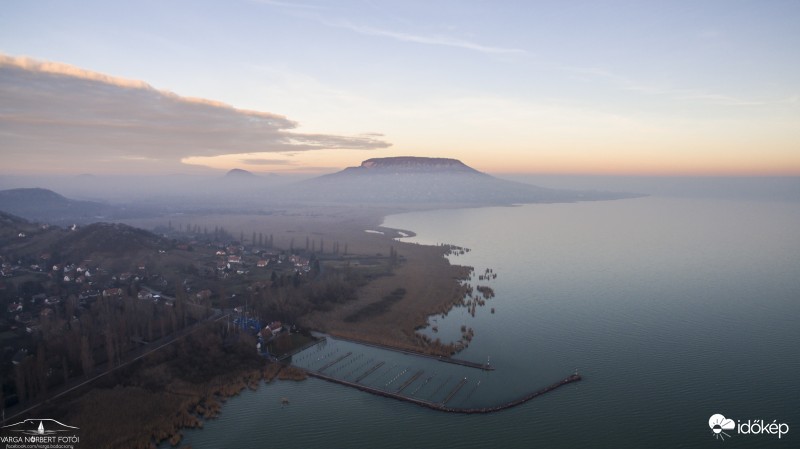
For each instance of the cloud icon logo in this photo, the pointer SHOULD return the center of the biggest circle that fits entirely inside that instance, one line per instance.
(719, 424)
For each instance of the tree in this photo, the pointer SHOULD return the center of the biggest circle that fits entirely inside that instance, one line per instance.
(87, 361)
(20, 380)
(110, 349)
(2, 397)
(65, 367)
(41, 367)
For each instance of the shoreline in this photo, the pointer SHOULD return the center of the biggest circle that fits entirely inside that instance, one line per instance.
(434, 286)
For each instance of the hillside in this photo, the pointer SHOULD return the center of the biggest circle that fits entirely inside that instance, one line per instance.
(12, 226)
(98, 240)
(108, 239)
(46, 206)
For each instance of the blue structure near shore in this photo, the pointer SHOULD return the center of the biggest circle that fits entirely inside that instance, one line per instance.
(248, 324)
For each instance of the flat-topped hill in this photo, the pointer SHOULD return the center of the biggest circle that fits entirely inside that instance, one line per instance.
(431, 180)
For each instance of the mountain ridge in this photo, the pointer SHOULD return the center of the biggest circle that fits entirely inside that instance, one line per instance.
(46, 206)
(411, 179)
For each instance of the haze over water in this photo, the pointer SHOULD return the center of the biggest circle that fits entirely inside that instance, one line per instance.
(672, 309)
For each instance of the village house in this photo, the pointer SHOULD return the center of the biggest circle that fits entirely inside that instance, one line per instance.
(203, 295)
(15, 307)
(111, 292)
(19, 356)
(274, 327)
(144, 294)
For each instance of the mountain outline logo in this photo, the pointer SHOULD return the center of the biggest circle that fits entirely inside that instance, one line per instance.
(39, 427)
(719, 424)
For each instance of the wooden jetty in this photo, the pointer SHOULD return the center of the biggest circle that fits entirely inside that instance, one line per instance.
(454, 391)
(334, 362)
(369, 371)
(410, 381)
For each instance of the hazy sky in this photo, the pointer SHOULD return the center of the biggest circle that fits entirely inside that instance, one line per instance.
(664, 87)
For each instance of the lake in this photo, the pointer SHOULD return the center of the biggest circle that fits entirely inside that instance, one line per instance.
(671, 309)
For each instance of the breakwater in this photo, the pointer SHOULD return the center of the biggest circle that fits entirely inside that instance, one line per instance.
(441, 406)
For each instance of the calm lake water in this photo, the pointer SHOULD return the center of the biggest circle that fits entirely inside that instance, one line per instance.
(672, 310)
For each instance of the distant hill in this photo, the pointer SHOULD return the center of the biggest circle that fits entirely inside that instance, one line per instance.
(410, 165)
(431, 180)
(239, 173)
(46, 206)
